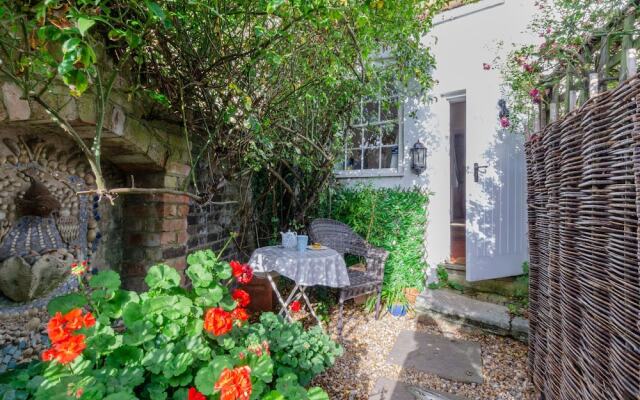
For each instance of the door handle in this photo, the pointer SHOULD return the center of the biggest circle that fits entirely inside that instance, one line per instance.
(476, 171)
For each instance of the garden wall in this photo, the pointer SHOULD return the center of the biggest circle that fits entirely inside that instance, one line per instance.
(583, 201)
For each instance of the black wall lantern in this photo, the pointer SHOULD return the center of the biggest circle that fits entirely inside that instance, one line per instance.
(418, 158)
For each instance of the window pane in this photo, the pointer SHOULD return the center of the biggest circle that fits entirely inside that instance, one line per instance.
(353, 159)
(372, 158)
(389, 109)
(371, 111)
(390, 157)
(340, 162)
(389, 134)
(371, 136)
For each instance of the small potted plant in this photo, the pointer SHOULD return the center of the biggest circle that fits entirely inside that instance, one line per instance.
(396, 301)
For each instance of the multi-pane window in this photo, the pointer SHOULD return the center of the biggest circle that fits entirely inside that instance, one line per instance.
(373, 136)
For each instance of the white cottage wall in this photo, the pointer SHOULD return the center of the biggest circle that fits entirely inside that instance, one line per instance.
(461, 41)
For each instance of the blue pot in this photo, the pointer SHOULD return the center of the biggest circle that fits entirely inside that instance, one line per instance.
(398, 310)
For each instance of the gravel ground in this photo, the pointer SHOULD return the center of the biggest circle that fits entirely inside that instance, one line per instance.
(22, 337)
(367, 344)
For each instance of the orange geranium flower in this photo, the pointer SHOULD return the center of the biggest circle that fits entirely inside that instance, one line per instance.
(218, 321)
(60, 327)
(234, 384)
(66, 346)
(57, 330)
(240, 314)
(71, 348)
(241, 297)
(48, 355)
(66, 351)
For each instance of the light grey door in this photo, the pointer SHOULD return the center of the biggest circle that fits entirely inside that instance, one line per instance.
(496, 237)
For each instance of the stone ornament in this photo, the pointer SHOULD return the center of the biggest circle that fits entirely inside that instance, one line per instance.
(21, 281)
(44, 225)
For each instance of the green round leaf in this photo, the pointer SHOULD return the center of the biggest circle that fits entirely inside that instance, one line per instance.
(162, 277)
(106, 279)
(66, 303)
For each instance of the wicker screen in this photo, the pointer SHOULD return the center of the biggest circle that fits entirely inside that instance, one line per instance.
(583, 199)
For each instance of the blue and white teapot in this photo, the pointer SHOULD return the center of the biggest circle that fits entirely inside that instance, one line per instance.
(289, 239)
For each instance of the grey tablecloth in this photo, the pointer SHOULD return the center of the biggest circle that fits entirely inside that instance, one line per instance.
(309, 268)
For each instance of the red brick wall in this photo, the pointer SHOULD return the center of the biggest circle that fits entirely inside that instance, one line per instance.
(155, 230)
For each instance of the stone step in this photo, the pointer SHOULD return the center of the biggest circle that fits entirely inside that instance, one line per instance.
(503, 288)
(387, 389)
(488, 316)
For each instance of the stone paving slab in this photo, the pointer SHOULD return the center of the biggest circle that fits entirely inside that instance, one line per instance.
(456, 360)
(387, 389)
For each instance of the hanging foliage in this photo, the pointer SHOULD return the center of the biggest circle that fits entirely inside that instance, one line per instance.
(578, 38)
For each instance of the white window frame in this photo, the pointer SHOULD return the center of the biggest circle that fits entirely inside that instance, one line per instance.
(375, 172)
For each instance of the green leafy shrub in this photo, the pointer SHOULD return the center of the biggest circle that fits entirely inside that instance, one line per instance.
(393, 219)
(294, 350)
(164, 342)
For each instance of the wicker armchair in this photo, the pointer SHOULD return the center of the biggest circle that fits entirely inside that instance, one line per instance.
(344, 240)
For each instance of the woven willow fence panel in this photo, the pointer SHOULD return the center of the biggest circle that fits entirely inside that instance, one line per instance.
(583, 201)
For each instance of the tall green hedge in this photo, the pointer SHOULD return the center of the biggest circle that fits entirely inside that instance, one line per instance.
(393, 219)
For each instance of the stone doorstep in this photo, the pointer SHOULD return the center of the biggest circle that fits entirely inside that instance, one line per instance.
(456, 360)
(387, 389)
(494, 318)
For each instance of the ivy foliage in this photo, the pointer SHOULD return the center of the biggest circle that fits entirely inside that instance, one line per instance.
(393, 219)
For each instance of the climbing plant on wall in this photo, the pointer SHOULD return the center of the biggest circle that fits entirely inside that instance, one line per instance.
(393, 219)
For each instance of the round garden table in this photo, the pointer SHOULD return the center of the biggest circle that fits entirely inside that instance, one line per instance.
(325, 267)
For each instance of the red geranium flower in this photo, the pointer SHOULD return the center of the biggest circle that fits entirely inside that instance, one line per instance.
(234, 384)
(236, 268)
(242, 272)
(295, 306)
(240, 314)
(241, 297)
(217, 321)
(195, 395)
(247, 274)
